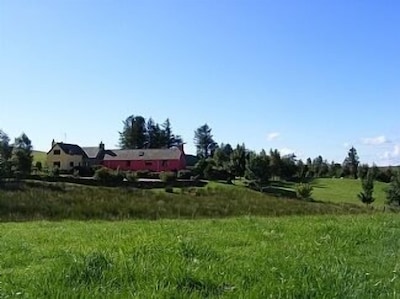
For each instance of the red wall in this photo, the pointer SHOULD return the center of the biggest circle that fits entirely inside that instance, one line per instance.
(156, 165)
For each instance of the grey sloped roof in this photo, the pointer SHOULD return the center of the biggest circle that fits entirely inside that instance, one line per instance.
(145, 154)
(91, 151)
(71, 149)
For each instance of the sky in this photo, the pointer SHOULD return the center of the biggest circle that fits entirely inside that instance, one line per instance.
(308, 77)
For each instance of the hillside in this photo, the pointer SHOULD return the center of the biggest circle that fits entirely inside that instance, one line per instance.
(56, 201)
(39, 156)
(345, 190)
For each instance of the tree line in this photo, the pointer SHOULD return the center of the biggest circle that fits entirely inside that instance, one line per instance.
(137, 133)
(16, 158)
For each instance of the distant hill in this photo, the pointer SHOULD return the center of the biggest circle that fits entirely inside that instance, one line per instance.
(39, 156)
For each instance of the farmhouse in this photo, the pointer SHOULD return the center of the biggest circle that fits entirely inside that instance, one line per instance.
(169, 159)
(66, 157)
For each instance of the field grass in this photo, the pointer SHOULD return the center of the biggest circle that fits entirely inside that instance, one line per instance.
(57, 201)
(39, 156)
(346, 190)
(247, 257)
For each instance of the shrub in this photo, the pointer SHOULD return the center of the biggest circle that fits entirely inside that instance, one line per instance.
(169, 189)
(131, 177)
(216, 174)
(106, 175)
(142, 174)
(76, 173)
(185, 174)
(367, 184)
(54, 172)
(168, 177)
(304, 191)
(38, 166)
(393, 191)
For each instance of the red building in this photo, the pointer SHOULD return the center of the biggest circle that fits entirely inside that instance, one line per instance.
(172, 159)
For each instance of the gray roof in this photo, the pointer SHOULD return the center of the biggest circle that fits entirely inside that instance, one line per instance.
(145, 154)
(70, 149)
(91, 152)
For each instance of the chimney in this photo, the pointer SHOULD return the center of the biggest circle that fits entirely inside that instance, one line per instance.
(101, 146)
(53, 143)
(180, 146)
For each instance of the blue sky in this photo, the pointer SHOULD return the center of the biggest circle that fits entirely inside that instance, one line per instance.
(310, 77)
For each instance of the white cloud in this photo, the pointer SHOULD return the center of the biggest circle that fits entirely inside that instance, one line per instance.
(272, 136)
(375, 140)
(395, 153)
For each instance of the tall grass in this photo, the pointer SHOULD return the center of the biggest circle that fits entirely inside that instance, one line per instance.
(247, 257)
(35, 201)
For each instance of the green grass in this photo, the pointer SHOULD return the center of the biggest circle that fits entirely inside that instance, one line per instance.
(56, 201)
(247, 257)
(346, 190)
(39, 156)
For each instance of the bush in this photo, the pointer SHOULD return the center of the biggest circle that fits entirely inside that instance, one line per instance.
(142, 174)
(39, 166)
(54, 172)
(304, 191)
(106, 175)
(215, 174)
(185, 174)
(393, 191)
(167, 177)
(169, 189)
(131, 177)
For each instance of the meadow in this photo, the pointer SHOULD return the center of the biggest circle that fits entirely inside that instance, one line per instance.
(32, 200)
(246, 257)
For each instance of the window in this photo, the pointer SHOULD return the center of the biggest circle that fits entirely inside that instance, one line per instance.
(164, 163)
(128, 163)
(56, 164)
(71, 164)
(148, 163)
(56, 152)
(141, 154)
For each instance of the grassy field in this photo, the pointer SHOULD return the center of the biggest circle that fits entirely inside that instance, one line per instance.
(345, 190)
(57, 201)
(247, 257)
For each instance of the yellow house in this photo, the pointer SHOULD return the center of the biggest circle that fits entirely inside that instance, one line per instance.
(65, 156)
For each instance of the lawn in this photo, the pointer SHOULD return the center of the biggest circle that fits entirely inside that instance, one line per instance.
(246, 257)
(346, 190)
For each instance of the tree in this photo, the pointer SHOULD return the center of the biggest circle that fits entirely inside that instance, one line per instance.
(22, 155)
(368, 188)
(170, 139)
(258, 168)
(222, 155)
(204, 141)
(363, 171)
(155, 136)
(275, 163)
(238, 161)
(5, 155)
(335, 169)
(288, 166)
(317, 166)
(393, 191)
(301, 170)
(134, 133)
(351, 162)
